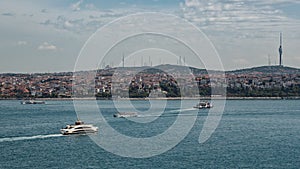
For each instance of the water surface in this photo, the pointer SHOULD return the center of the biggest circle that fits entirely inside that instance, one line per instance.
(251, 134)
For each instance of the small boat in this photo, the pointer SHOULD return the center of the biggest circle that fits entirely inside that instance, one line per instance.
(126, 114)
(32, 102)
(78, 128)
(203, 105)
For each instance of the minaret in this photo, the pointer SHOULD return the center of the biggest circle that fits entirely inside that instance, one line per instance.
(280, 51)
(180, 60)
(123, 60)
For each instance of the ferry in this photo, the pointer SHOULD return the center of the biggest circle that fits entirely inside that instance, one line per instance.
(126, 114)
(32, 102)
(78, 128)
(203, 105)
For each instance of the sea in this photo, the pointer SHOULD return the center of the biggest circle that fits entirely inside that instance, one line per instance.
(250, 134)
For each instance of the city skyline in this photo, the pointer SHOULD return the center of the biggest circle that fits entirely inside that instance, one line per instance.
(47, 36)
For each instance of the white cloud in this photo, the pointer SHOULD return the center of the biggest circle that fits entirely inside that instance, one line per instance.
(192, 3)
(22, 43)
(238, 28)
(84, 21)
(76, 6)
(90, 6)
(273, 2)
(244, 30)
(239, 17)
(233, 11)
(47, 46)
(68, 24)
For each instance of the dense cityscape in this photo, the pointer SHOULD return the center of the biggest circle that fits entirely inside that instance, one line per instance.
(266, 81)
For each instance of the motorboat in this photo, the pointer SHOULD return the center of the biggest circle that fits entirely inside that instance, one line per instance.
(126, 114)
(78, 128)
(32, 102)
(203, 105)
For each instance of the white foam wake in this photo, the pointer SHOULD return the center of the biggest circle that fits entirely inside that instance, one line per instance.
(170, 111)
(29, 137)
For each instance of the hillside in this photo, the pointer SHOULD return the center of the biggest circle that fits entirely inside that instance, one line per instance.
(267, 70)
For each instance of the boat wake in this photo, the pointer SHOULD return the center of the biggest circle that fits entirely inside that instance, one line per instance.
(171, 113)
(9, 139)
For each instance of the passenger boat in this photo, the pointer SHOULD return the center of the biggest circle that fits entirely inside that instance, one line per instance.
(203, 105)
(78, 128)
(32, 102)
(126, 114)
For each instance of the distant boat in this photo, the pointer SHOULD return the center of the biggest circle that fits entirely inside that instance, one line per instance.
(32, 102)
(203, 105)
(126, 114)
(78, 128)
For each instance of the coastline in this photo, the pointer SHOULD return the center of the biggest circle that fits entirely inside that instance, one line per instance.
(169, 98)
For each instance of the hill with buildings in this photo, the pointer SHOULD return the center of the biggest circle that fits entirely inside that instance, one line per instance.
(264, 81)
(267, 70)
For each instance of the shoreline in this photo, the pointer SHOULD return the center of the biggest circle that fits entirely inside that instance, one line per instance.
(170, 98)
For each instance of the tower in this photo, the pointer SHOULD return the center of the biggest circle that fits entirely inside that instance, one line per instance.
(179, 61)
(123, 60)
(280, 51)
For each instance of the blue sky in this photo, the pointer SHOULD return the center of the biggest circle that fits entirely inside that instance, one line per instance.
(46, 36)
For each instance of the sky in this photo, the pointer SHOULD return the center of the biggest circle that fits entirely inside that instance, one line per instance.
(47, 36)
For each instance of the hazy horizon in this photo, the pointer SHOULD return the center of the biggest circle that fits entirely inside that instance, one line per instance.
(149, 67)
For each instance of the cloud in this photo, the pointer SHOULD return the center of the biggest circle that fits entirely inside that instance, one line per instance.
(64, 23)
(217, 11)
(44, 10)
(84, 21)
(47, 46)
(22, 43)
(8, 14)
(241, 29)
(76, 6)
(238, 18)
(276, 2)
(90, 6)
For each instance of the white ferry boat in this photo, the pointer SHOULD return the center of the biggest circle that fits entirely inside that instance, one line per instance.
(32, 102)
(126, 114)
(203, 105)
(79, 128)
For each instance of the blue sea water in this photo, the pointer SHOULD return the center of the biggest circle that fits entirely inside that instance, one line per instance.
(251, 134)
